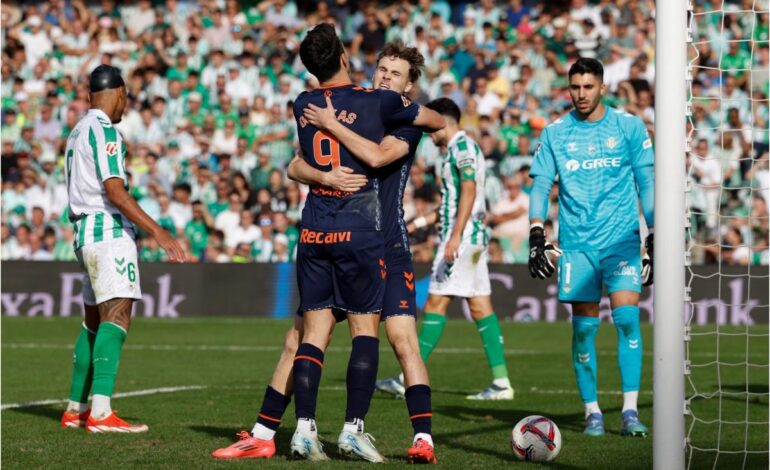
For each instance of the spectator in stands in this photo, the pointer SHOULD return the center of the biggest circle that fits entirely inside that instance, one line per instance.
(510, 219)
(210, 90)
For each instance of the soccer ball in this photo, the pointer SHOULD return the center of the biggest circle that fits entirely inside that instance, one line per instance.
(536, 438)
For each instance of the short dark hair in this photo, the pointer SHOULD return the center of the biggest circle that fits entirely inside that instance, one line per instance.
(398, 50)
(445, 107)
(320, 52)
(587, 65)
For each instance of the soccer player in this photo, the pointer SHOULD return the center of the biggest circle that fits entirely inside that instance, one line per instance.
(398, 68)
(102, 212)
(601, 155)
(460, 267)
(340, 256)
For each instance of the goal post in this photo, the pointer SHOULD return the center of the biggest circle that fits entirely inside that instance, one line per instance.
(669, 291)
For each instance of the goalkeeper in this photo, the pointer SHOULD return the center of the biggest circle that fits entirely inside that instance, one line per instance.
(604, 160)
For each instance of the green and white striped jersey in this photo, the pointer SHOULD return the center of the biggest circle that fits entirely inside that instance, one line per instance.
(463, 161)
(95, 153)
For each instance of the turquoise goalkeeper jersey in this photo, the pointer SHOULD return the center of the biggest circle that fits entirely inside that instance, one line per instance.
(595, 161)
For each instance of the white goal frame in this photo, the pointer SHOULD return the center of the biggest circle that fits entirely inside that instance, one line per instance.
(671, 76)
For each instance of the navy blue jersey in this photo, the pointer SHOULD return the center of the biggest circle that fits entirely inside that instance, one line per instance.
(392, 183)
(369, 113)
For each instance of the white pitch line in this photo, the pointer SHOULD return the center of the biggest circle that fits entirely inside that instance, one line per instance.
(135, 393)
(331, 349)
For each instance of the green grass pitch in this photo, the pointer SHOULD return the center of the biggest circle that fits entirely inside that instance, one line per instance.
(229, 362)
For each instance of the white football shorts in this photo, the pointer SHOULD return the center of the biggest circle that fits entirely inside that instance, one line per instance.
(467, 277)
(110, 271)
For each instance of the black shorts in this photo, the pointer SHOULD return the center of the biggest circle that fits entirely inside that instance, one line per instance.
(400, 297)
(345, 271)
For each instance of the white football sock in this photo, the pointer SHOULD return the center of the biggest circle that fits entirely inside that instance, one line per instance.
(504, 383)
(307, 426)
(356, 427)
(75, 407)
(100, 406)
(422, 435)
(260, 431)
(629, 400)
(592, 407)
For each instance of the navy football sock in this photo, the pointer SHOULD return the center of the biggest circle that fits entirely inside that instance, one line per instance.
(273, 406)
(418, 404)
(362, 374)
(308, 364)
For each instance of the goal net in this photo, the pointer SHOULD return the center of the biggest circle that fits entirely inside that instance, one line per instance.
(726, 252)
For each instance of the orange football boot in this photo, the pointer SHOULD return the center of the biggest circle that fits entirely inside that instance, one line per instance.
(421, 452)
(247, 447)
(71, 419)
(113, 424)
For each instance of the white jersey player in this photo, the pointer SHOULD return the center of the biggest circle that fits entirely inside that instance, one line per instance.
(460, 266)
(103, 214)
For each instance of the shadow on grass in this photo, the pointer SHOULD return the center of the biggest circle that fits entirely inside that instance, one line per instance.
(51, 412)
(502, 421)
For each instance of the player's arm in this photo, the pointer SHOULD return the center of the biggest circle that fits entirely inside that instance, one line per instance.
(643, 161)
(543, 172)
(429, 120)
(119, 197)
(340, 178)
(464, 209)
(373, 154)
(397, 110)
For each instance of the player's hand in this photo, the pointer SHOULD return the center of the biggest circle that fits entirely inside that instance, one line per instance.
(451, 249)
(172, 247)
(342, 178)
(647, 273)
(540, 252)
(322, 118)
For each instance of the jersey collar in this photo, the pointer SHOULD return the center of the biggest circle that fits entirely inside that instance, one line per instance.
(455, 138)
(99, 113)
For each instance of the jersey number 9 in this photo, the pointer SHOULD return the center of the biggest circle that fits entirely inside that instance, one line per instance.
(326, 149)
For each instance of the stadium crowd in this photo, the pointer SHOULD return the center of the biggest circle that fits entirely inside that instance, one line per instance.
(210, 128)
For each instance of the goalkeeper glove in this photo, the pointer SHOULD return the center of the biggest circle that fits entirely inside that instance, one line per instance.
(540, 251)
(647, 273)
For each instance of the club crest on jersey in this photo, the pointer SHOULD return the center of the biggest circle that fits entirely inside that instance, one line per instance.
(111, 148)
(572, 165)
(611, 143)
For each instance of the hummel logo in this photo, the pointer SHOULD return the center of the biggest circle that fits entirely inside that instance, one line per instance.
(584, 358)
(571, 147)
(633, 343)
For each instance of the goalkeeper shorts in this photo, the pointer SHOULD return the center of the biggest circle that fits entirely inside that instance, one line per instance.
(582, 273)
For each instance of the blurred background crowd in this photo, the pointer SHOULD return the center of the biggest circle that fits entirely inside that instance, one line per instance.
(210, 129)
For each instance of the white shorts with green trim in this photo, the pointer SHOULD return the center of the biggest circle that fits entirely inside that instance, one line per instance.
(467, 277)
(110, 271)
